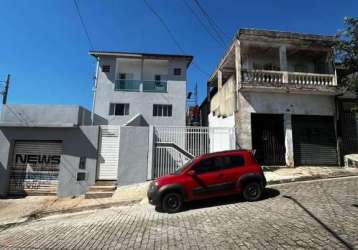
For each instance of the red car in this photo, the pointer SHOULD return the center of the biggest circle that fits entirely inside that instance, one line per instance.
(208, 176)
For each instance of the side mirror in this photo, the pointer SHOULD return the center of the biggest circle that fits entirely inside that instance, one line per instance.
(191, 172)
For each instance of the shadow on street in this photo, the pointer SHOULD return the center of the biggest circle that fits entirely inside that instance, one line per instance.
(328, 229)
(232, 199)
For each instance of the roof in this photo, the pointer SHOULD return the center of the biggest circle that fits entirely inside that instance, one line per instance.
(285, 35)
(140, 55)
(272, 36)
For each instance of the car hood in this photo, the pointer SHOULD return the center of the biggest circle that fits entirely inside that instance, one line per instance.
(166, 178)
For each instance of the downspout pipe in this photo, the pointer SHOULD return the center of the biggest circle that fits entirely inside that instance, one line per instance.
(94, 89)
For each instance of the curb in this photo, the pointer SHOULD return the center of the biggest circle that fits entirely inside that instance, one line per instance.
(39, 215)
(309, 178)
(42, 214)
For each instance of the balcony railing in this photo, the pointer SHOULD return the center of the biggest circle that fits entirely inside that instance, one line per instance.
(154, 86)
(127, 85)
(279, 77)
(138, 85)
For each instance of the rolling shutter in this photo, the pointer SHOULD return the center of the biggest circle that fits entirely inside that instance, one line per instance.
(34, 166)
(314, 140)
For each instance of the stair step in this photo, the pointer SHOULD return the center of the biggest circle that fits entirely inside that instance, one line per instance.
(98, 195)
(40, 189)
(40, 193)
(101, 188)
(105, 183)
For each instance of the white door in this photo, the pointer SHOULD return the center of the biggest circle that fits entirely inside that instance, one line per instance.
(108, 153)
(35, 165)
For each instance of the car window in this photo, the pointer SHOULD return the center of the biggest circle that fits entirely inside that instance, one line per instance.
(181, 168)
(208, 165)
(232, 161)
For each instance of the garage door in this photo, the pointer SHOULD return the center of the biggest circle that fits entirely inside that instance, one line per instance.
(34, 165)
(108, 153)
(314, 140)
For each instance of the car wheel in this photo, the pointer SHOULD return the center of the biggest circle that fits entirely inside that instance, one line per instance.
(172, 202)
(252, 191)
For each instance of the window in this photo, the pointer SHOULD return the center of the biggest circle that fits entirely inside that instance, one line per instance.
(207, 165)
(106, 68)
(122, 76)
(162, 110)
(232, 161)
(177, 71)
(119, 109)
(81, 176)
(157, 78)
(82, 164)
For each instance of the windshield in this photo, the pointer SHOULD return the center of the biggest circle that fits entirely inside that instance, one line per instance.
(180, 169)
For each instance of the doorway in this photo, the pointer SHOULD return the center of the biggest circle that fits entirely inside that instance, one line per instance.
(268, 139)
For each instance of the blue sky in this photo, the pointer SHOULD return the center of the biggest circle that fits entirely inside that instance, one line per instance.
(44, 48)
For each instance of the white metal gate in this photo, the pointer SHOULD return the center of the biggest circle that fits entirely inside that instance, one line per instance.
(35, 165)
(108, 153)
(193, 140)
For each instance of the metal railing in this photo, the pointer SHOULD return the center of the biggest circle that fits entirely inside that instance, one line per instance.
(193, 140)
(280, 77)
(138, 85)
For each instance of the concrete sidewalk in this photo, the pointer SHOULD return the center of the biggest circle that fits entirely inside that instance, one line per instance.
(283, 175)
(14, 211)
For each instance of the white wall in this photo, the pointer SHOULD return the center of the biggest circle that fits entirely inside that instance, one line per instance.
(220, 122)
(142, 102)
(155, 67)
(128, 66)
(222, 133)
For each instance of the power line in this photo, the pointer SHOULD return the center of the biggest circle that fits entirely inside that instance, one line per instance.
(83, 24)
(172, 35)
(203, 24)
(211, 21)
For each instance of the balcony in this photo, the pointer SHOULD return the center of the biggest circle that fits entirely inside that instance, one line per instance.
(140, 86)
(127, 85)
(155, 86)
(281, 78)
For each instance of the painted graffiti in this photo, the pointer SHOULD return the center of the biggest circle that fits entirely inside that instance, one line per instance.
(31, 172)
(37, 159)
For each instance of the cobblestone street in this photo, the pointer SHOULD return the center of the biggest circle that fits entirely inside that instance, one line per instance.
(317, 214)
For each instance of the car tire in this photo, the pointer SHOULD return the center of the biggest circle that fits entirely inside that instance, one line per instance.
(252, 191)
(172, 202)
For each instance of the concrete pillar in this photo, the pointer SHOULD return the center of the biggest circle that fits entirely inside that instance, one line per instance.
(220, 79)
(208, 97)
(243, 128)
(287, 120)
(150, 152)
(283, 58)
(237, 63)
(141, 75)
(237, 73)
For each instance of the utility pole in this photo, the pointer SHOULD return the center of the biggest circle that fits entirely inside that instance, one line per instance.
(6, 89)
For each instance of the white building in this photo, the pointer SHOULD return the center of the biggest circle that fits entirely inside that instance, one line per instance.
(278, 90)
(132, 84)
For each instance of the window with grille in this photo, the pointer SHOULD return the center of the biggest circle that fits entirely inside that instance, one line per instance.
(162, 110)
(177, 71)
(119, 109)
(106, 68)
